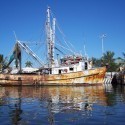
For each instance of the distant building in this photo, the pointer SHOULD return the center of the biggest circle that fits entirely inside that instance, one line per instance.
(121, 63)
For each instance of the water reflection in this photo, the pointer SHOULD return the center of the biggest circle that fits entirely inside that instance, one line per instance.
(49, 105)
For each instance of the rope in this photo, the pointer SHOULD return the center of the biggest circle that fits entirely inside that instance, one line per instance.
(63, 35)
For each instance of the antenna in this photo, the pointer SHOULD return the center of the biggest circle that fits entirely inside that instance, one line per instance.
(102, 39)
(85, 50)
(15, 35)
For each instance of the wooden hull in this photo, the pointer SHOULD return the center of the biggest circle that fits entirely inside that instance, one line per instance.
(92, 77)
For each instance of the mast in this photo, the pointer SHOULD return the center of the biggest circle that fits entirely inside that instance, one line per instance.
(48, 34)
(53, 38)
(50, 31)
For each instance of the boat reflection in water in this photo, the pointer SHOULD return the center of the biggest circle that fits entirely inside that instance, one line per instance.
(49, 105)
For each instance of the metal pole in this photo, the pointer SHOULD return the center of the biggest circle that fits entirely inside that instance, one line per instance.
(102, 37)
(102, 46)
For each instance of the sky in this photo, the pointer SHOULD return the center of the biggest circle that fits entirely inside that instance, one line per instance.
(82, 22)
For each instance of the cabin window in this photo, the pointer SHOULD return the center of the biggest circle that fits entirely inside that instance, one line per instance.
(59, 71)
(71, 69)
(86, 66)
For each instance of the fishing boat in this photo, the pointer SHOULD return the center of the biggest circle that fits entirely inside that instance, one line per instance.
(73, 69)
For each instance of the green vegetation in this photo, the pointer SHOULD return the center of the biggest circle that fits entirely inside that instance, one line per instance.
(28, 64)
(108, 60)
(1, 61)
(1, 58)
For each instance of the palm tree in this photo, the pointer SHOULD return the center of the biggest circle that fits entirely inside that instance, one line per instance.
(96, 62)
(1, 60)
(28, 64)
(108, 59)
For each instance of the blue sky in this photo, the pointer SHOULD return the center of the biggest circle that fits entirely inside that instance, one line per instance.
(82, 21)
